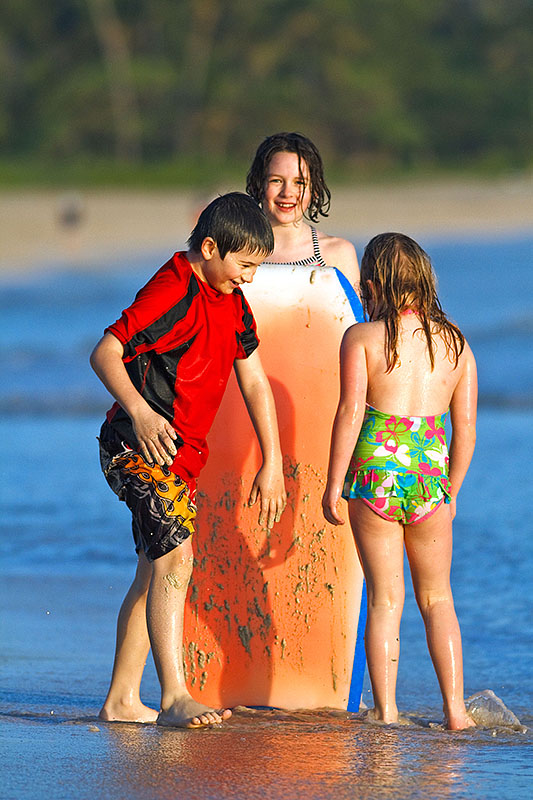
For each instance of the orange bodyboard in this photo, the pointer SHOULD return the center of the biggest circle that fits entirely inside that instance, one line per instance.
(272, 617)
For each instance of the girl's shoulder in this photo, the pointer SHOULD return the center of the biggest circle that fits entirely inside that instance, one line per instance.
(467, 359)
(366, 334)
(340, 253)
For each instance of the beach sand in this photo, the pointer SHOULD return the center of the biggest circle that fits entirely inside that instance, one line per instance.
(111, 225)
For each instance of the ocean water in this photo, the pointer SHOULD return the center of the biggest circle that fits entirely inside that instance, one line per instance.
(66, 560)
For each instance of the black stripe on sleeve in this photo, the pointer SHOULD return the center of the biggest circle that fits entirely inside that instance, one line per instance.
(248, 337)
(161, 326)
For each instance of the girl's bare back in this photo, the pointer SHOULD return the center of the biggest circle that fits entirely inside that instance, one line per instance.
(412, 387)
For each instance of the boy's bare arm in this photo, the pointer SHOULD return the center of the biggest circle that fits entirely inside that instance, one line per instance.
(154, 433)
(463, 412)
(269, 481)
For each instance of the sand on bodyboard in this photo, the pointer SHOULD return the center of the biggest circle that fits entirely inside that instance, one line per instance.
(272, 616)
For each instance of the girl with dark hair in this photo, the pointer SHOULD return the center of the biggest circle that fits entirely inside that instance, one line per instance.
(287, 179)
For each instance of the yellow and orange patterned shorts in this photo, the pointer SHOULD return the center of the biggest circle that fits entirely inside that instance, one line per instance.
(161, 503)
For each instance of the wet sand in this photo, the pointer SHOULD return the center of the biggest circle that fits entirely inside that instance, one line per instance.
(54, 676)
(112, 225)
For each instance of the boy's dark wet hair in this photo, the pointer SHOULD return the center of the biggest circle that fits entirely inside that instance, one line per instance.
(235, 222)
(307, 152)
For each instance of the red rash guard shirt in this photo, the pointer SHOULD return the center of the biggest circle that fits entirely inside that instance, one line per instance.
(180, 340)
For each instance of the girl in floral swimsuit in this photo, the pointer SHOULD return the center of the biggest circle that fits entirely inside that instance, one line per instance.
(400, 373)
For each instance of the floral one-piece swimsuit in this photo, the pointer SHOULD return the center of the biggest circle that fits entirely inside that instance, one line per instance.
(399, 466)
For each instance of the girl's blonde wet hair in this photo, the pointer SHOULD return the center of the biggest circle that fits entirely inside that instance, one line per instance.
(402, 279)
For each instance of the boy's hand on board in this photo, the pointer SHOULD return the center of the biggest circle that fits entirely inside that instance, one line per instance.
(269, 486)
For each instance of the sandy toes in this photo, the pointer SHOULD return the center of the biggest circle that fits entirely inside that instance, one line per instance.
(187, 713)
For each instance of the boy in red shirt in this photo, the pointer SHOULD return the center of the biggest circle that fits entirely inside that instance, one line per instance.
(166, 362)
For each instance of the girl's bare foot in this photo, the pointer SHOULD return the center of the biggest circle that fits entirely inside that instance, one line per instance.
(457, 718)
(459, 722)
(372, 715)
(127, 712)
(187, 713)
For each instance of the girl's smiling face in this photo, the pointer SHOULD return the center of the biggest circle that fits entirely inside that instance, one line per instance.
(287, 191)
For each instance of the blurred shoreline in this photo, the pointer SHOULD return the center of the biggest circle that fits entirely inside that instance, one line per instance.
(53, 229)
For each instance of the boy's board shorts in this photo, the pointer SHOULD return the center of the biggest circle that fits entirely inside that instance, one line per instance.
(161, 503)
(399, 467)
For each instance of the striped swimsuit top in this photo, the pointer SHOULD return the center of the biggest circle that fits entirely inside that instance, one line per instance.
(316, 260)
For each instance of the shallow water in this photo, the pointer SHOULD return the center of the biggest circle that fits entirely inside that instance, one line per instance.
(258, 756)
(486, 286)
(66, 560)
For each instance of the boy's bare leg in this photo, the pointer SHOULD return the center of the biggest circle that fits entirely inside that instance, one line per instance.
(429, 549)
(123, 702)
(380, 546)
(165, 612)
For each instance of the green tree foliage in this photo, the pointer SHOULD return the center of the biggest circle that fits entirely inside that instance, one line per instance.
(398, 83)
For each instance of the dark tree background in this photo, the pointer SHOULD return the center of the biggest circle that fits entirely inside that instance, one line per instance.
(396, 84)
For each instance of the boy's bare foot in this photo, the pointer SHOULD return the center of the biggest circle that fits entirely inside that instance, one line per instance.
(187, 713)
(127, 712)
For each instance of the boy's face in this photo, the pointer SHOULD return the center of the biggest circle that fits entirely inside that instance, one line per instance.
(226, 274)
(287, 189)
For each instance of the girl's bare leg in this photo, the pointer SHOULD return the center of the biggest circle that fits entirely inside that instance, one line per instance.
(123, 702)
(380, 546)
(429, 549)
(165, 612)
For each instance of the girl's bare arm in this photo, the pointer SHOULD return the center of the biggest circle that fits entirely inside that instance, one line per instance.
(463, 412)
(348, 419)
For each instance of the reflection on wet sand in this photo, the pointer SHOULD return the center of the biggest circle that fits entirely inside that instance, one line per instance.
(269, 753)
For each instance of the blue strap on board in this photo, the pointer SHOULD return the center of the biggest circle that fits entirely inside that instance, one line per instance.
(359, 658)
(351, 294)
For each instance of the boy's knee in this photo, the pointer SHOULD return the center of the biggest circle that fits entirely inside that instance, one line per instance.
(175, 567)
